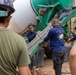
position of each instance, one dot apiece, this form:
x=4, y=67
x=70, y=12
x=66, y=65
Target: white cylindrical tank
x=23, y=16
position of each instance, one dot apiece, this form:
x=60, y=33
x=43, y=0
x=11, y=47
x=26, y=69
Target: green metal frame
x=44, y=19
x=72, y=14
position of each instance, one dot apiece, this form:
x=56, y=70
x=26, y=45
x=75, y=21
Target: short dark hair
x=2, y=19
x=32, y=25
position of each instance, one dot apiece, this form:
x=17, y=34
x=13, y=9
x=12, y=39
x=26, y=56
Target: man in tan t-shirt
x=13, y=49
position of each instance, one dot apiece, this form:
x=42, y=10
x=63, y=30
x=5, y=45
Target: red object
x=42, y=11
x=46, y=44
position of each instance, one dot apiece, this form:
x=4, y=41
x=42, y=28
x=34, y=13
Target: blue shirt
x=31, y=35
x=56, y=37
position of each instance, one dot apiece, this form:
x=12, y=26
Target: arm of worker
x=48, y=36
x=24, y=71
x=24, y=60
x=73, y=59
x=38, y=32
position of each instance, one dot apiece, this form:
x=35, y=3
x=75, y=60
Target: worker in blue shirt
x=32, y=33
x=56, y=37
x=38, y=59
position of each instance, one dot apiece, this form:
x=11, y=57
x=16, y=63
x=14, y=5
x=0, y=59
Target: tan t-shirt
x=13, y=52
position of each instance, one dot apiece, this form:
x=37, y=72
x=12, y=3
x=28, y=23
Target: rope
x=40, y=37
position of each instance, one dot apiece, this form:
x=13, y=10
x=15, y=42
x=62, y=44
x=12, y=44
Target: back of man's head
x=55, y=22
x=3, y=19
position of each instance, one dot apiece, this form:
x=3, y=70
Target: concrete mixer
x=23, y=16
x=40, y=13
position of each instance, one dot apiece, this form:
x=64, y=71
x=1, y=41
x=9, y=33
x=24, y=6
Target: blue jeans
x=58, y=59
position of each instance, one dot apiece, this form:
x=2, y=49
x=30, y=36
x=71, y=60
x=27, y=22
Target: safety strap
x=3, y=13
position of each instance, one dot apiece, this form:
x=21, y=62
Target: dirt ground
x=48, y=67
